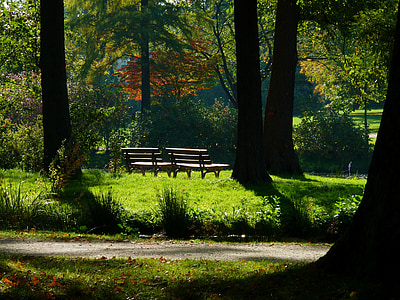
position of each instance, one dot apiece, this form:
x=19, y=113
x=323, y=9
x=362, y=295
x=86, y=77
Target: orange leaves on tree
x=171, y=72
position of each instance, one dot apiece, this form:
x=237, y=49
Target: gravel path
x=173, y=250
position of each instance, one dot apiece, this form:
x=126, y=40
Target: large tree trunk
x=56, y=119
x=249, y=162
x=145, y=88
x=278, y=121
x=370, y=245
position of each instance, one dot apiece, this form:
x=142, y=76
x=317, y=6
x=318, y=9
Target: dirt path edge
x=173, y=250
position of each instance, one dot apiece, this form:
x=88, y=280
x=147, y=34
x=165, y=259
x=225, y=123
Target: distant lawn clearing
x=373, y=116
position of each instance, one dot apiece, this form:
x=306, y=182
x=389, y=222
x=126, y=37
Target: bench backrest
x=133, y=155
x=189, y=156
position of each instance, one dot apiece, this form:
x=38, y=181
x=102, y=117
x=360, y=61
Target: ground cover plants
x=307, y=207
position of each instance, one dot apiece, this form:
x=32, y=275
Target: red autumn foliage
x=171, y=72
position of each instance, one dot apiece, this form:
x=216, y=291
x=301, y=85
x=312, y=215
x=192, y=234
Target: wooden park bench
x=185, y=159
x=146, y=158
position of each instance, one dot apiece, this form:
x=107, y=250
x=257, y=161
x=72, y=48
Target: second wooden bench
x=187, y=159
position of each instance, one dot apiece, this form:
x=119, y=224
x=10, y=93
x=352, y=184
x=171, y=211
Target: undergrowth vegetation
x=309, y=207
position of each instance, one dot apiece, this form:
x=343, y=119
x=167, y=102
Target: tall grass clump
x=174, y=213
x=21, y=211
x=107, y=215
x=95, y=213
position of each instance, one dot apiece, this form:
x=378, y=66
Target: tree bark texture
x=369, y=246
x=278, y=121
x=249, y=164
x=145, y=53
x=56, y=118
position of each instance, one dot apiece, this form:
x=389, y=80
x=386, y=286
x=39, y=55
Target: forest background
x=189, y=52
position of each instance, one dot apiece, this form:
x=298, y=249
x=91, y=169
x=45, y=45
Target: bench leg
x=176, y=170
x=216, y=172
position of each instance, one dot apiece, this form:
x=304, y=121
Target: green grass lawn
x=303, y=207
x=33, y=277
x=137, y=192
x=373, y=116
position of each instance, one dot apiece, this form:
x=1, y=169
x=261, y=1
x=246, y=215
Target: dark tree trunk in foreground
x=146, y=98
x=249, y=161
x=278, y=122
x=56, y=119
x=370, y=246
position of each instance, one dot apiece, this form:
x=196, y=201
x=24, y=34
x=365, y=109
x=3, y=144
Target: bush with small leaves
x=330, y=137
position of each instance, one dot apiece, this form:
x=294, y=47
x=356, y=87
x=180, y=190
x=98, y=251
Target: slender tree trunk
x=56, y=119
x=369, y=246
x=278, y=121
x=365, y=115
x=250, y=161
x=146, y=98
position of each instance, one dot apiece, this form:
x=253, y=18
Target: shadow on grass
x=301, y=177
x=295, y=222
x=78, y=278
x=302, y=282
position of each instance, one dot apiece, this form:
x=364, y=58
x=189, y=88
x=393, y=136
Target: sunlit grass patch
x=129, y=204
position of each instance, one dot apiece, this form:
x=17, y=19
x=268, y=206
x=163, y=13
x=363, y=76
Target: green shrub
x=21, y=98
x=174, y=214
x=267, y=218
x=21, y=145
x=329, y=138
x=20, y=123
x=96, y=112
x=29, y=141
x=141, y=222
x=343, y=214
x=9, y=155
